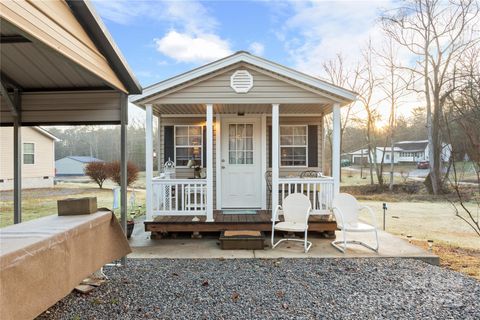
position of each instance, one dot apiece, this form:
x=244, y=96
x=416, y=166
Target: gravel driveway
x=276, y=289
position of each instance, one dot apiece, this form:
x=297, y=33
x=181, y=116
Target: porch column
x=275, y=155
x=209, y=133
x=336, y=148
x=159, y=145
x=149, y=161
x=17, y=160
x=123, y=166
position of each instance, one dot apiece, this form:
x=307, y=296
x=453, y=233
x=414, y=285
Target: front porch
x=259, y=221
x=256, y=129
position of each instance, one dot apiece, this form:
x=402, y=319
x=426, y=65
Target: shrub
x=114, y=172
x=97, y=171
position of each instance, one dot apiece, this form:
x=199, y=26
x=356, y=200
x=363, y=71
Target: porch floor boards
x=260, y=221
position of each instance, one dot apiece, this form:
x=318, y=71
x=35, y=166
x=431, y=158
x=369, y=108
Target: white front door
x=241, y=163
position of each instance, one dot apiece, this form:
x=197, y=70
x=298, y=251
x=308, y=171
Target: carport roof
x=51, y=45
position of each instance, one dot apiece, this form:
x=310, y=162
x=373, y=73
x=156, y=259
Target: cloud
x=193, y=36
x=257, y=48
x=191, y=15
x=315, y=31
x=184, y=47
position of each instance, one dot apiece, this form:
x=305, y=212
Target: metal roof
x=84, y=159
x=59, y=65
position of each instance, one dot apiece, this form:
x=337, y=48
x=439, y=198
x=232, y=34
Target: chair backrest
x=296, y=207
x=309, y=174
x=268, y=179
x=349, y=206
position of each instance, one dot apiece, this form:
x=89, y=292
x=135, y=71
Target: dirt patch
x=466, y=261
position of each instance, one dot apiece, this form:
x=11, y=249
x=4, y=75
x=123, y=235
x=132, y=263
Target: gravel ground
x=276, y=289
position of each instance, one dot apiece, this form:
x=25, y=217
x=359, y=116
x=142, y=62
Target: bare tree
x=368, y=81
x=394, y=86
x=437, y=33
x=463, y=117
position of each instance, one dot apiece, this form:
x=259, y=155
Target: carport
x=60, y=66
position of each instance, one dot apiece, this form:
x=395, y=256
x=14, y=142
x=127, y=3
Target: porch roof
x=297, y=92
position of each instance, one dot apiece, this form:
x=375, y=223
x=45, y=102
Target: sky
x=161, y=39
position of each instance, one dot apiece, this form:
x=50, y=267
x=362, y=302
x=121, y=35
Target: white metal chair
x=296, y=211
x=346, y=209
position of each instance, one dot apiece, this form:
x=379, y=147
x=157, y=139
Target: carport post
x=17, y=160
x=123, y=164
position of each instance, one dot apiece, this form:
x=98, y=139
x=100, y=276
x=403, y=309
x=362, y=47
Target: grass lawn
x=457, y=245
x=43, y=202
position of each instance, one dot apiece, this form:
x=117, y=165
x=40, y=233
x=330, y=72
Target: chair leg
x=376, y=240
x=343, y=248
x=306, y=244
x=273, y=237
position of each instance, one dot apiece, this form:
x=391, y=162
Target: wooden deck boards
x=260, y=221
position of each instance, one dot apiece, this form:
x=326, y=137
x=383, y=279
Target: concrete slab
x=390, y=246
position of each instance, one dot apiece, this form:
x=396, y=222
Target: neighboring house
x=360, y=156
x=38, y=158
x=73, y=165
x=403, y=152
x=239, y=118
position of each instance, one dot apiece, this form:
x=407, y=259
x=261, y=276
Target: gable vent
x=241, y=81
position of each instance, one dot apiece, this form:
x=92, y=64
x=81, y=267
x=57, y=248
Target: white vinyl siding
x=293, y=145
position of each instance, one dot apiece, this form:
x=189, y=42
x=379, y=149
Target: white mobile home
x=38, y=156
x=403, y=152
x=243, y=119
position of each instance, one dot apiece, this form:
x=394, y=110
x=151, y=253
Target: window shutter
x=269, y=146
x=204, y=146
x=169, y=143
x=312, y=146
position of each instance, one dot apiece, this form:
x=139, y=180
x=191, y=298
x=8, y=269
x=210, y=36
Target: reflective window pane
x=249, y=131
x=181, y=130
x=232, y=158
x=249, y=144
x=195, y=141
x=195, y=130
x=249, y=157
x=28, y=148
x=286, y=130
x=299, y=140
x=300, y=130
x=181, y=141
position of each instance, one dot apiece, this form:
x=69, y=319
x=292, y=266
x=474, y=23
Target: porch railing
x=319, y=190
x=179, y=196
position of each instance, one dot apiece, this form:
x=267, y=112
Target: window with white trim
x=28, y=153
x=188, y=145
x=293, y=146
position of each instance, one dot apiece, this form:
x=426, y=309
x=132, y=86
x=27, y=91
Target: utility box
x=77, y=206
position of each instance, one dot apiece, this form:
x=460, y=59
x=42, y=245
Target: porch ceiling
x=200, y=109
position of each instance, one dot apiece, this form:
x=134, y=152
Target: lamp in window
x=192, y=164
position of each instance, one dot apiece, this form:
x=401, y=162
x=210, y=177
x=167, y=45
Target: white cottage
x=254, y=126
